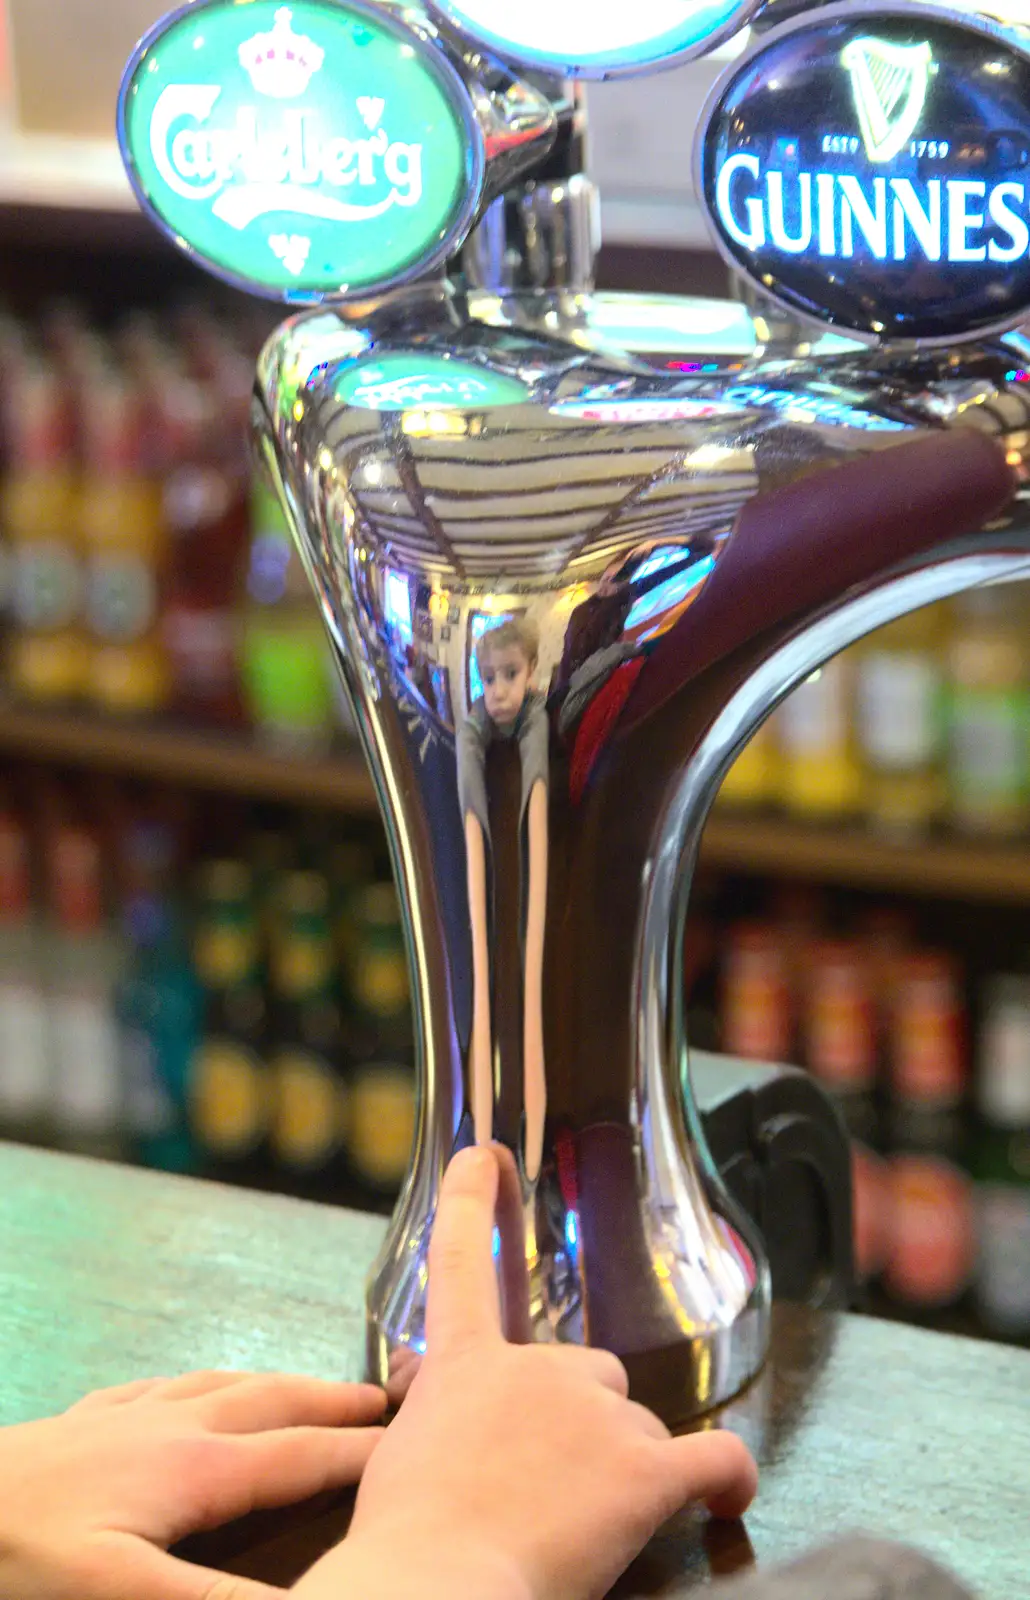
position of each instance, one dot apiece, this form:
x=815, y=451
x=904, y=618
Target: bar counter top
x=109, y=1274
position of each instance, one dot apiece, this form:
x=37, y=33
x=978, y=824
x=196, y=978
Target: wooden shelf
x=226, y=763
x=943, y=868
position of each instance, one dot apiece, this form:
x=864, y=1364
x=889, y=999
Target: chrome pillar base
x=679, y=528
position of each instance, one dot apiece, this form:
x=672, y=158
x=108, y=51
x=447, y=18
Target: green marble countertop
x=108, y=1274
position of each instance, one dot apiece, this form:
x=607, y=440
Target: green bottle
x=382, y=1102
x=308, y=1059
x=230, y=1097
x=160, y=1011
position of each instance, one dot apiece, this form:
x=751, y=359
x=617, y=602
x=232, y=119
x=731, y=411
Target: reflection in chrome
x=567, y=578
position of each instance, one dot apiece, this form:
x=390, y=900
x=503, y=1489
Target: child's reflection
x=509, y=708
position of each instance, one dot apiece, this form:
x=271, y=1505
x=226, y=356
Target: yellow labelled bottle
x=47, y=653
x=230, y=1098
x=381, y=1110
x=307, y=1060
x=351, y=871
x=754, y=778
x=989, y=714
x=822, y=776
x=270, y=856
x=124, y=554
x=900, y=721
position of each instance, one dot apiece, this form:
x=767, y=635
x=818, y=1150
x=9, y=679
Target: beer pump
x=572, y=548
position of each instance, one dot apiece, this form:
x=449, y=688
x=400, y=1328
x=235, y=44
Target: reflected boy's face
x=505, y=674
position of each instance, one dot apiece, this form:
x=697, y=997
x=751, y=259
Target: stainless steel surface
x=678, y=523
x=546, y=235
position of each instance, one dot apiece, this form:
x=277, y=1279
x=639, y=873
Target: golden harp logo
x=889, y=84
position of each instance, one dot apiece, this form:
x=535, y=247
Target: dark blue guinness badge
x=869, y=166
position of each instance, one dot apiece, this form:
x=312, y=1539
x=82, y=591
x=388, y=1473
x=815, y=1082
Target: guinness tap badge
x=867, y=166
x=889, y=83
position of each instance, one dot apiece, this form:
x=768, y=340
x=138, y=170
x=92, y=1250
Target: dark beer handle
x=798, y=548
x=810, y=1156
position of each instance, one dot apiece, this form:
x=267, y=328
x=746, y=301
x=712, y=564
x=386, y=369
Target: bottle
x=1001, y=1163
x=123, y=543
x=205, y=510
x=13, y=356
x=230, y=1099
x=840, y=1033
x=757, y=1005
x=285, y=664
x=821, y=775
x=25, y=1083
x=270, y=855
x=988, y=715
x=86, y=963
x=351, y=866
x=887, y=936
x=886, y=933
x=841, y=1051
x=901, y=721
x=930, y=1252
x=47, y=651
x=929, y=1067
x=799, y=914
x=160, y=1011
x=381, y=1102
x=308, y=1059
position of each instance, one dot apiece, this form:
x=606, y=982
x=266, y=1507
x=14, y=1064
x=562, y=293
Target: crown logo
x=281, y=63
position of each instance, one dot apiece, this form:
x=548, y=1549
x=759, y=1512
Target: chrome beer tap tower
x=573, y=548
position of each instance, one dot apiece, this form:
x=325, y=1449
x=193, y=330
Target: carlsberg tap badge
x=327, y=151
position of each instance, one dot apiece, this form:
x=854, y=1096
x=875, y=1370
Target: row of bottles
x=255, y=1027
x=930, y=1067
x=147, y=569
x=304, y=1076
x=926, y=721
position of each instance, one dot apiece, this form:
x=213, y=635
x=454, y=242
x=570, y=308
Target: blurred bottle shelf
x=220, y=761
x=942, y=866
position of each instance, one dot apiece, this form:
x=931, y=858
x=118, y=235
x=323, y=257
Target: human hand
x=91, y=1501
x=514, y=1472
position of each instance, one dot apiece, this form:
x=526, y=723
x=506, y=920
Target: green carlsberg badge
x=401, y=381
x=303, y=150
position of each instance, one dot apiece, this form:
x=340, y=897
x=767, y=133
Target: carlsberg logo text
x=888, y=218
x=261, y=164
